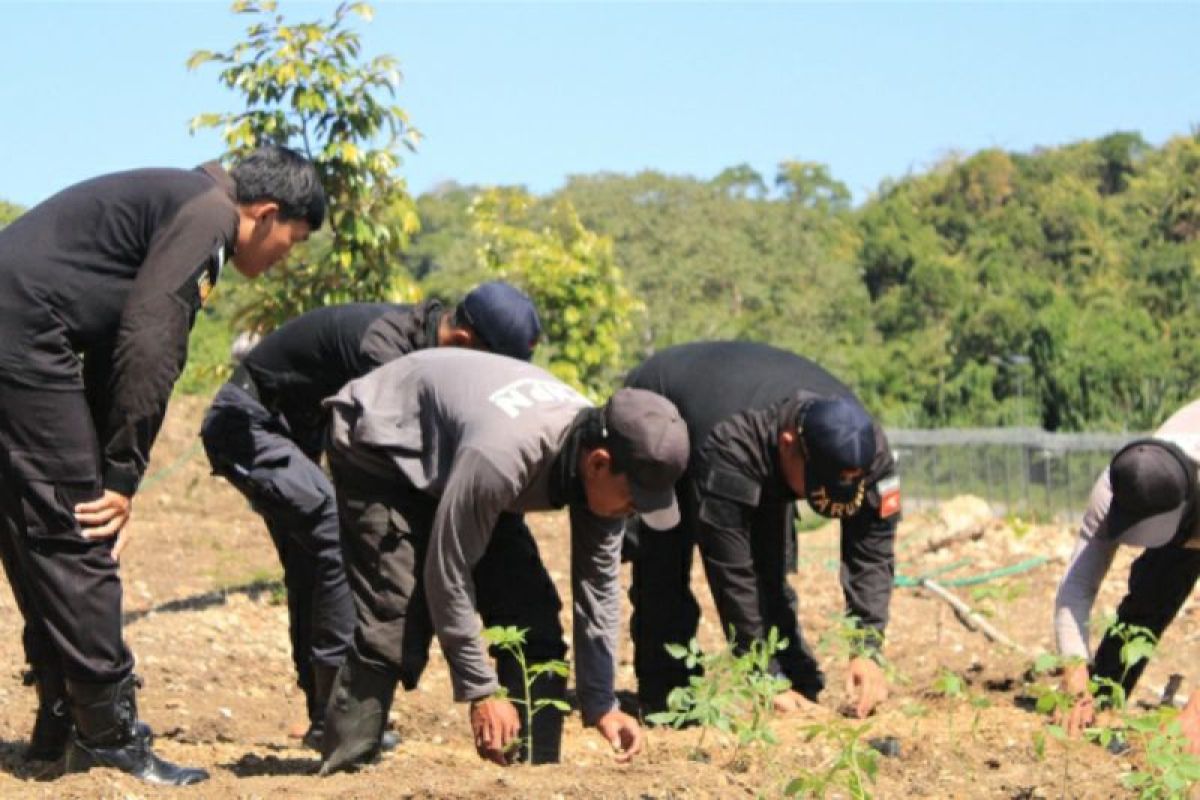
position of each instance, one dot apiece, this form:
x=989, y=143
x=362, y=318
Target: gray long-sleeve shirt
x=1094, y=553
x=482, y=433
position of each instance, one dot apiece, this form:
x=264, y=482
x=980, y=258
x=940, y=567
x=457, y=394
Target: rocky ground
x=205, y=619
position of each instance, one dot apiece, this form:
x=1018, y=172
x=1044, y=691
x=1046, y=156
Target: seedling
x=1171, y=769
x=848, y=638
x=733, y=694
x=990, y=598
x=511, y=639
x=854, y=765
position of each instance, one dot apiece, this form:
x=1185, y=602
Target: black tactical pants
x=253, y=450
x=747, y=574
x=385, y=533
x=1160, y=580
x=67, y=588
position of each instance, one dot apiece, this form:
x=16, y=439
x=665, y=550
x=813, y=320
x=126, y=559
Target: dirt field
x=220, y=693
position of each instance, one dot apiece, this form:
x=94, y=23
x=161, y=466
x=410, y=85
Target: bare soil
x=205, y=618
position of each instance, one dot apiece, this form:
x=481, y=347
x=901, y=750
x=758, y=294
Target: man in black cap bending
x=266, y=430
x=1146, y=498
x=429, y=454
x=766, y=427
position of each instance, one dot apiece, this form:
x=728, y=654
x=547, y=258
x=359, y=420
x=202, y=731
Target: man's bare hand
x=866, y=684
x=623, y=733
x=1081, y=716
x=496, y=725
x=789, y=701
x=104, y=518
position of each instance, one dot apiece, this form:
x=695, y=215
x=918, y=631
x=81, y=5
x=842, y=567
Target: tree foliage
x=9, y=212
x=307, y=86
x=1057, y=287
x=570, y=274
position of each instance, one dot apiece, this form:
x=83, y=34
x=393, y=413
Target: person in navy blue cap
x=501, y=318
x=767, y=427
x=265, y=433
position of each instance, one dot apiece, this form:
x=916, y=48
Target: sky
x=528, y=94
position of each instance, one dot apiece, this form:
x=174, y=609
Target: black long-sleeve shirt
x=735, y=398
x=99, y=287
x=313, y=356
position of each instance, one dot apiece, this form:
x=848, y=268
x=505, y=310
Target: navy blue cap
x=504, y=319
x=838, y=436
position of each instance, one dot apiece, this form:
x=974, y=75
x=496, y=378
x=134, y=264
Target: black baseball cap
x=838, y=435
x=503, y=317
x=1153, y=482
x=648, y=441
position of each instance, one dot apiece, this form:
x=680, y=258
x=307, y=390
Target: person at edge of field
x=430, y=454
x=99, y=288
x=265, y=432
x=1145, y=498
x=766, y=427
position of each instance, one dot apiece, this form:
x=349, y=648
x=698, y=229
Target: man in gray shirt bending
x=1147, y=498
x=432, y=456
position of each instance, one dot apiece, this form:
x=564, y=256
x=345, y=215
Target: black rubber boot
x=108, y=734
x=323, y=676
x=52, y=726
x=355, y=716
x=547, y=728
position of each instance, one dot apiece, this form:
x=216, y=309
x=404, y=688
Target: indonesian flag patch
x=889, y=497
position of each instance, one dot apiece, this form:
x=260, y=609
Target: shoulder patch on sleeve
x=197, y=288
x=889, y=497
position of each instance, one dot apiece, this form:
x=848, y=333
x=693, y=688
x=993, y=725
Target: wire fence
x=1027, y=472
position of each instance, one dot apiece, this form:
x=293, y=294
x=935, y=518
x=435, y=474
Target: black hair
x=285, y=177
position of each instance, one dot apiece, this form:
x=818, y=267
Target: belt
x=241, y=378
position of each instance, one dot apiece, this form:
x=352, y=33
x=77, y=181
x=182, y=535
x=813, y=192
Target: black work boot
x=355, y=716
x=108, y=734
x=52, y=726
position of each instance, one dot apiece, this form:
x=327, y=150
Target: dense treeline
x=1055, y=288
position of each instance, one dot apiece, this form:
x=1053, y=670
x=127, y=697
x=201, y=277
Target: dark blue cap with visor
x=503, y=317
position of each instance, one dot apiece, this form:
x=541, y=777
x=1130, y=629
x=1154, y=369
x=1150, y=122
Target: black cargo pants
x=747, y=574
x=252, y=449
x=67, y=588
x=385, y=534
x=1160, y=580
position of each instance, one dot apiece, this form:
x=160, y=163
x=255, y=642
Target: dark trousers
x=253, y=450
x=67, y=588
x=385, y=532
x=1160, y=580
x=747, y=574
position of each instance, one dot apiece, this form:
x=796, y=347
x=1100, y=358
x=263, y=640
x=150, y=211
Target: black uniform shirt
x=735, y=398
x=313, y=356
x=113, y=270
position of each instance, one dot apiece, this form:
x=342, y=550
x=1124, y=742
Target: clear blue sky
x=530, y=93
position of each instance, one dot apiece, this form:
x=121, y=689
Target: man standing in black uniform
x=766, y=427
x=99, y=287
x=266, y=430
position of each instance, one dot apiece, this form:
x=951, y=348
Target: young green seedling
x=733, y=694
x=854, y=765
x=511, y=639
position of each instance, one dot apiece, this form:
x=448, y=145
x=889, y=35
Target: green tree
x=307, y=86
x=811, y=185
x=570, y=274
x=9, y=212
